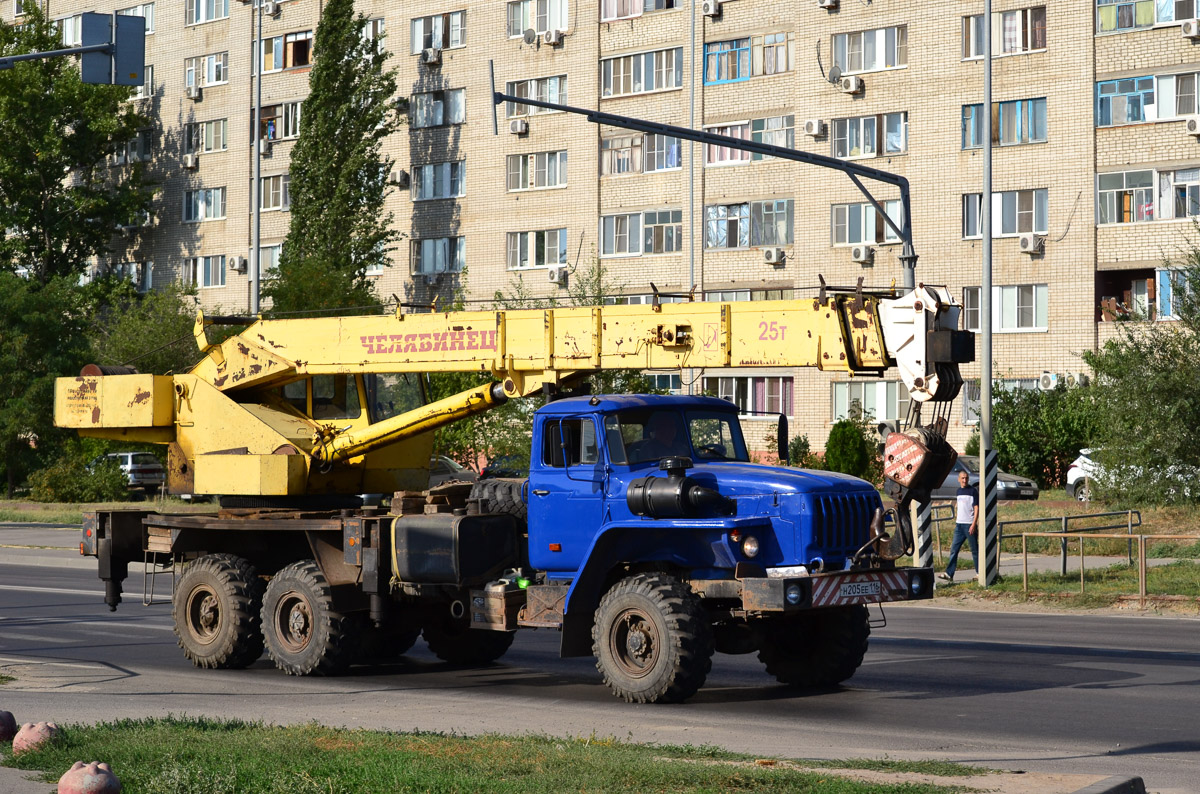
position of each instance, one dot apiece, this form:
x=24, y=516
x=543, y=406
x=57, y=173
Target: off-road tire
x=216, y=608
x=652, y=640
x=817, y=650
x=502, y=497
x=454, y=641
x=304, y=634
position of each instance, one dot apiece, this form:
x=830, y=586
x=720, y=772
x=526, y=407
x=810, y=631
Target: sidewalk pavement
x=17, y=781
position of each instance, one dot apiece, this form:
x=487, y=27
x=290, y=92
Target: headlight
x=793, y=594
x=916, y=586
x=750, y=546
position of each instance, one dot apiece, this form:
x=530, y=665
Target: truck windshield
x=650, y=434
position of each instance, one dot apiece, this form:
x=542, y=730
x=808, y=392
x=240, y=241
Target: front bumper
x=843, y=588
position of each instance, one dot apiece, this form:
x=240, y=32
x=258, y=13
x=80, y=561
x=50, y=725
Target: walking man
x=966, y=520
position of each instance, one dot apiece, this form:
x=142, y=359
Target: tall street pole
x=256, y=230
x=988, y=564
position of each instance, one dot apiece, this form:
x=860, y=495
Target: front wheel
x=304, y=633
x=1083, y=490
x=652, y=639
x=819, y=649
x=454, y=641
x=216, y=612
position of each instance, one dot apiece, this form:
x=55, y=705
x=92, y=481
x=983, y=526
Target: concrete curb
x=19, y=781
x=47, y=558
x=1117, y=784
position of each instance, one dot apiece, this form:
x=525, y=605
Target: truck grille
x=841, y=522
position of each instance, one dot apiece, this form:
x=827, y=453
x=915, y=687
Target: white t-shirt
x=967, y=499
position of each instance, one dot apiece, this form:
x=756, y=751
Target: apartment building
x=1096, y=159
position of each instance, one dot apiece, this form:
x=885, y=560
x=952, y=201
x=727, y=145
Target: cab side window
x=570, y=442
x=335, y=397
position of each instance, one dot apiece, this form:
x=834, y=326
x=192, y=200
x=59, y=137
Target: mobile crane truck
x=644, y=533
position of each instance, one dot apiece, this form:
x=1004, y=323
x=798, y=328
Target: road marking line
x=62, y=590
x=53, y=664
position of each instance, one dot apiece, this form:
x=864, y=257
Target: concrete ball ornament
x=90, y=778
x=32, y=736
x=8, y=726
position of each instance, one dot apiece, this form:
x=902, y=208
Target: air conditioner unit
x=1076, y=379
x=431, y=56
x=400, y=179
x=1048, y=381
x=194, y=93
x=518, y=127
x=1031, y=243
x=814, y=127
x=191, y=161
x=863, y=254
x=428, y=279
x=851, y=84
x=1190, y=28
x=264, y=145
x=237, y=264
x=553, y=37
x=712, y=8
x=774, y=256
x=828, y=4
x=1191, y=125
x=270, y=8
x=557, y=275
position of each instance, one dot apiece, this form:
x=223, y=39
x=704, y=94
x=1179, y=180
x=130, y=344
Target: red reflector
x=555, y=547
x=735, y=535
x=88, y=533
x=81, y=551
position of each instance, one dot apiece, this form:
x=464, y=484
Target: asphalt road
x=1078, y=694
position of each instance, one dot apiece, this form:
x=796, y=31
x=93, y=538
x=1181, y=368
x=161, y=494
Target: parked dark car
x=505, y=466
x=442, y=469
x=1008, y=486
x=142, y=469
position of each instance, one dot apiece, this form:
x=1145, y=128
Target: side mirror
x=781, y=441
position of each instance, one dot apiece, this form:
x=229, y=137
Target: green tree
x=1148, y=403
x=1038, y=433
x=339, y=173
x=848, y=449
x=61, y=202
x=151, y=331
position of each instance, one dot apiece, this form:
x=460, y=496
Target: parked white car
x=1080, y=474
x=1084, y=472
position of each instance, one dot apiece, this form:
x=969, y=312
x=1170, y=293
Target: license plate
x=1027, y=492
x=860, y=589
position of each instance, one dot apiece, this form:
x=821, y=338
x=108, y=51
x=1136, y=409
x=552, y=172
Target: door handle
x=541, y=493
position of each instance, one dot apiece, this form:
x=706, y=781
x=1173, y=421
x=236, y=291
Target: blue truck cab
x=647, y=519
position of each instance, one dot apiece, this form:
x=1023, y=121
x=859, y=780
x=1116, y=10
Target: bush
x=1037, y=434
x=69, y=480
x=801, y=454
x=848, y=450
x=972, y=447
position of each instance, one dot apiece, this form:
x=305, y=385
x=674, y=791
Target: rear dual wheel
x=304, y=633
x=216, y=608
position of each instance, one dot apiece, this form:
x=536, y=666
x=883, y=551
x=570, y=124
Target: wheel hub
x=203, y=615
x=634, y=643
x=294, y=621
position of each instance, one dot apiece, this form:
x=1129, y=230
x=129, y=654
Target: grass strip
x=202, y=756
x=56, y=516
x=6, y=679
x=1102, y=587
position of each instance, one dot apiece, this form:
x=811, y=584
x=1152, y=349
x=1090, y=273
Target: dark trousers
x=962, y=533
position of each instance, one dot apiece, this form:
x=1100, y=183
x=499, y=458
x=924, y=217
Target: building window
x=1022, y=307
x=145, y=11
x=204, y=137
x=140, y=274
x=206, y=204
x=773, y=131
x=727, y=226
x=439, y=108
x=146, y=89
x=620, y=235
x=862, y=136
x=771, y=54
x=664, y=383
x=624, y=154
x=1120, y=15
x=1013, y=212
x=754, y=396
x=198, y=11
x=1176, y=96
x=70, y=29
x=546, y=89
x=662, y=153
x=268, y=258
x=206, y=69
x=641, y=73
x=1172, y=287
x=286, y=52
x=537, y=170
x=731, y=295
x=441, y=32
x=719, y=155
x=882, y=400
x=205, y=271
x=625, y=9
x=1013, y=123
x=279, y=121
x=275, y=192
x=373, y=32
x=438, y=255
x=970, y=309
x=18, y=8
x=1013, y=32
x=1128, y=101
x=438, y=181
x=642, y=300
x=771, y=222
x=1185, y=184
x=539, y=15
x=871, y=50
x=726, y=61
x=854, y=224
x=136, y=150
x=1125, y=197
x=537, y=249
x=662, y=232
